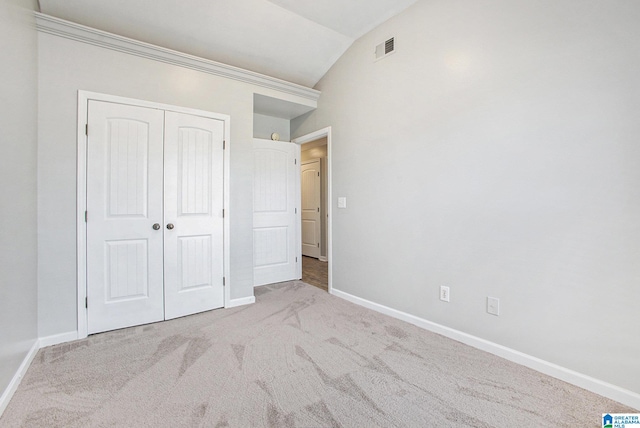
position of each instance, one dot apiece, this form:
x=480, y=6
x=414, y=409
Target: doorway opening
x=315, y=213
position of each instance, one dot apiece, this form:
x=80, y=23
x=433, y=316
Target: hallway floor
x=315, y=272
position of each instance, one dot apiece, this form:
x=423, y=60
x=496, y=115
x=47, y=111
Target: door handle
x=170, y=226
x=156, y=226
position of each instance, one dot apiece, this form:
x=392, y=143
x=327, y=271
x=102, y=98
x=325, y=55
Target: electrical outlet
x=444, y=293
x=493, y=305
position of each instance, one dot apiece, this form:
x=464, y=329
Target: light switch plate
x=342, y=202
x=493, y=305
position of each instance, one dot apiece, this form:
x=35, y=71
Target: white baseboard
x=58, y=338
x=589, y=383
x=241, y=302
x=17, y=378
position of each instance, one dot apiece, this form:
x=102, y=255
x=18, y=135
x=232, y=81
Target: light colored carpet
x=298, y=357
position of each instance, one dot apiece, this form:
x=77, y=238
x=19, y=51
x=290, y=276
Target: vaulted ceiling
x=294, y=40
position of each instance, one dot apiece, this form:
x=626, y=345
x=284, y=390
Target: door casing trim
x=81, y=191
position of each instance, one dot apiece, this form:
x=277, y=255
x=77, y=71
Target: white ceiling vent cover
x=385, y=49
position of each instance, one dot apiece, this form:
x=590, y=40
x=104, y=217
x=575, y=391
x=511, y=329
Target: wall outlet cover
x=445, y=293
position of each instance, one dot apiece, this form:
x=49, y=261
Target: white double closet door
x=154, y=215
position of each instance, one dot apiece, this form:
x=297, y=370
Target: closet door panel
x=124, y=201
x=193, y=214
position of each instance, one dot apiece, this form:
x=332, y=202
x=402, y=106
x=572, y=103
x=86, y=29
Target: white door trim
x=321, y=133
x=81, y=191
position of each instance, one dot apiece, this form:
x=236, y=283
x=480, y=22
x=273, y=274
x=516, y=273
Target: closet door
x=124, y=215
x=193, y=226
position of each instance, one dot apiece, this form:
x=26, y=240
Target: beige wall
x=264, y=126
x=18, y=226
x=503, y=137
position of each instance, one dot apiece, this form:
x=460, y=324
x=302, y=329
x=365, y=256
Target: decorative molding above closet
x=60, y=27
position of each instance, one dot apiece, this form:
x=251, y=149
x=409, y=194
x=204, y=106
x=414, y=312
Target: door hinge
x=318, y=173
x=295, y=161
x=318, y=245
x=85, y=216
x=224, y=281
x=224, y=144
x=223, y=213
x=295, y=211
x=296, y=260
x=86, y=129
x=86, y=302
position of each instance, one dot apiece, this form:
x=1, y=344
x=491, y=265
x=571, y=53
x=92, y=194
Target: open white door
x=275, y=202
x=124, y=203
x=310, y=185
x=193, y=215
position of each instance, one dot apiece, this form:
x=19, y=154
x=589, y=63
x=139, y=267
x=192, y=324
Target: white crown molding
x=69, y=30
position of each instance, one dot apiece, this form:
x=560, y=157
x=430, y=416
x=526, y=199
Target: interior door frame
x=81, y=191
x=321, y=133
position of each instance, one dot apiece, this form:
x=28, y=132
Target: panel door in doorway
x=154, y=215
x=310, y=185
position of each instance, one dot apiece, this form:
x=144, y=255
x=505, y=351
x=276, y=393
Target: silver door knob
x=156, y=226
x=170, y=226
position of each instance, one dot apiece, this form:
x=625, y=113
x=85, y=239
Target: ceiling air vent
x=384, y=49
